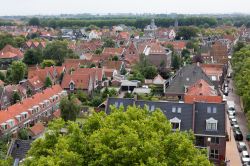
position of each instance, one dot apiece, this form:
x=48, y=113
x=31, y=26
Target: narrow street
x=241, y=119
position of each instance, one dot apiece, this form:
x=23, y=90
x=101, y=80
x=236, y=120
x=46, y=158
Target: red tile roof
x=178, y=45
x=203, y=92
x=113, y=51
x=57, y=113
x=37, y=129
x=10, y=52
x=36, y=82
x=112, y=65
x=18, y=108
x=80, y=80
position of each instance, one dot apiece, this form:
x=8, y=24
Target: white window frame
x=211, y=124
x=175, y=120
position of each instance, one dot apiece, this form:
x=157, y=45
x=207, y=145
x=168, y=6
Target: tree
x=197, y=58
x=58, y=51
x=185, y=53
x=123, y=70
x=115, y=58
x=128, y=95
x=176, y=62
x=34, y=21
x=48, y=63
x=2, y=76
x=16, y=72
x=238, y=46
x=15, y=97
x=19, y=41
x=108, y=43
x=33, y=57
x=6, y=39
x=186, y=32
x=23, y=134
x=83, y=97
x=48, y=82
x=98, y=51
x=96, y=101
x=132, y=137
x=69, y=108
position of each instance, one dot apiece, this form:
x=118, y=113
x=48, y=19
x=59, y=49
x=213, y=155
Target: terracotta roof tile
x=37, y=129
x=18, y=108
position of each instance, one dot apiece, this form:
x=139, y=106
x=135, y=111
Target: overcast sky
x=31, y=7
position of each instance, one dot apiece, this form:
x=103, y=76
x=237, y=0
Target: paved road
x=240, y=116
x=232, y=153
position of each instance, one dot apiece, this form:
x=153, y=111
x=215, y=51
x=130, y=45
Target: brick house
x=201, y=91
x=206, y=120
x=31, y=110
x=218, y=53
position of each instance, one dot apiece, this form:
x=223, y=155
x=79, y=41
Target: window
x=213, y=78
x=71, y=86
x=214, y=153
x=215, y=140
x=211, y=124
x=179, y=110
x=209, y=110
x=175, y=126
x=4, y=126
x=116, y=104
x=173, y=109
x=152, y=108
x=214, y=110
x=176, y=123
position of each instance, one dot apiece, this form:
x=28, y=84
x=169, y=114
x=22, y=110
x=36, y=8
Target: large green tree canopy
x=57, y=51
x=134, y=137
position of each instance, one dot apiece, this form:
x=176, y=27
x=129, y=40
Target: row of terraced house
x=26, y=113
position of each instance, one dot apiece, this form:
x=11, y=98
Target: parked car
x=233, y=122
x=226, y=91
x=238, y=135
x=231, y=113
x=229, y=75
x=246, y=164
x=225, y=85
x=231, y=117
x=245, y=154
x=241, y=146
x=236, y=127
x=245, y=160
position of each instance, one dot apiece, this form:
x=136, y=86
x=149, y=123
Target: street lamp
x=208, y=146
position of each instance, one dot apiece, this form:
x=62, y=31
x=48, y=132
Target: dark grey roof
x=20, y=149
x=189, y=113
x=201, y=115
x=187, y=76
x=118, y=102
x=186, y=115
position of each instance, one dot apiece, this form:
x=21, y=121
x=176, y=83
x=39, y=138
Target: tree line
x=135, y=22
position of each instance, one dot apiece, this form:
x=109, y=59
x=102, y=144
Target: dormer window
x=24, y=114
x=211, y=124
x=4, y=126
x=19, y=118
x=10, y=123
x=176, y=123
x=71, y=86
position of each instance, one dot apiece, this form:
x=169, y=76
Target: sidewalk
x=232, y=153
